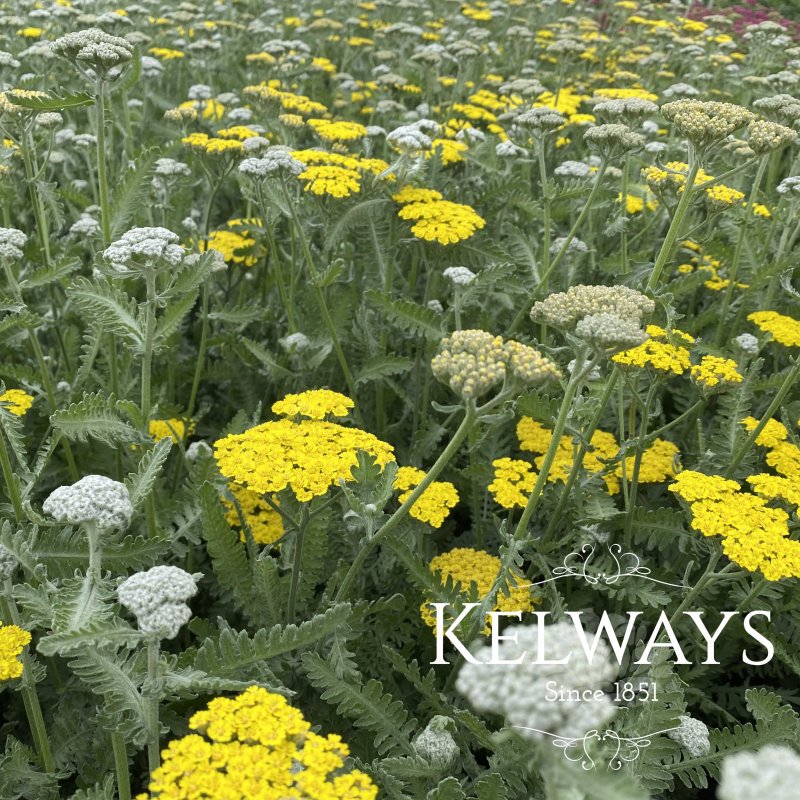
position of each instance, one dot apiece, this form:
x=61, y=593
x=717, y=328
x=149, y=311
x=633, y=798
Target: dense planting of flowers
x=348, y=346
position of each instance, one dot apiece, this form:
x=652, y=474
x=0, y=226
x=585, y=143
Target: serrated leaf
x=53, y=101
x=104, y=304
x=381, y=366
x=408, y=316
x=448, y=789
x=96, y=417
x=113, y=633
x=141, y=482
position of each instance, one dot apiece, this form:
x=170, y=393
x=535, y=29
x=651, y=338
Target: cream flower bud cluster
x=11, y=243
x=613, y=139
x=626, y=108
x=608, y=330
x=767, y=136
x=706, y=121
x=692, y=735
x=565, y=309
x=543, y=119
x=459, y=276
x=144, y=247
x=157, y=598
x=473, y=361
x=94, y=47
x=93, y=500
x=519, y=692
x=773, y=772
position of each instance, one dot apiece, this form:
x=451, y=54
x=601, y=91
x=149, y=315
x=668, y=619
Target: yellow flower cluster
x=659, y=352
x=165, y=53
x=314, y=404
x=782, y=455
x=755, y=536
x=785, y=330
x=465, y=566
x=434, y=504
x=175, y=429
x=658, y=461
x=264, y=522
x=714, y=372
x=331, y=181
x=235, y=247
x=416, y=194
x=307, y=456
x=337, y=130
x=16, y=401
x=513, y=482
x=450, y=151
x=256, y=745
x=442, y=221
x=12, y=642
x=288, y=100
x=240, y=132
x=710, y=264
x=202, y=142
x=720, y=196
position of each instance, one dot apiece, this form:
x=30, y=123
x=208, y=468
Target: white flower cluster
x=85, y=225
x=275, y=160
x=11, y=242
x=409, y=139
x=790, y=185
x=773, y=772
x=436, y=744
x=573, y=169
x=626, y=108
x=168, y=167
x=144, y=247
x=613, y=139
x=8, y=563
x=94, y=499
x=519, y=691
x=747, y=343
x=459, y=276
x=543, y=118
x=692, y=736
x=508, y=149
x=576, y=245
x=94, y=47
x=157, y=598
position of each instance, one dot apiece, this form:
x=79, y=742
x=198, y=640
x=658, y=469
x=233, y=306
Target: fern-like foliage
x=98, y=417
x=408, y=315
x=366, y=704
x=107, y=305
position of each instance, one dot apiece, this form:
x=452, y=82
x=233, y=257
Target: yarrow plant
x=399, y=400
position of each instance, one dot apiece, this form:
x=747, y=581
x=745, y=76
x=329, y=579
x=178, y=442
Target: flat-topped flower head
x=692, y=736
x=471, y=362
x=308, y=456
x=144, y=249
x=314, y=404
x=613, y=139
x=94, y=48
x=765, y=136
x=276, y=160
x=12, y=642
x=565, y=309
x=714, y=373
x=773, y=772
x=542, y=119
x=704, y=122
x=11, y=243
x=16, y=401
x=627, y=109
x=434, y=504
x=157, y=598
x=784, y=330
x=442, y=221
x=93, y=500
x=610, y=332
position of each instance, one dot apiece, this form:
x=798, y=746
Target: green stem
x=755, y=590
x=121, y=765
x=574, y=382
x=30, y=698
x=546, y=209
x=151, y=707
x=637, y=461
x=102, y=174
x=582, y=451
x=542, y=287
x=297, y=563
x=149, y=336
x=677, y=222
x=742, y=450
x=470, y=417
x=275, y=258
x=12, y=489
x=95, y=551
x=737, y=255
x=201, y=352
x=323, y=306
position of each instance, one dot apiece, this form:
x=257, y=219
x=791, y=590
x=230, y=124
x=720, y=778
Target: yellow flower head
x=256, y=745
x=465, y=566
x=785, y=330
x=434, y=504
x=331, y=181
x=175, y=429
x=714, y=372
x=336, y=130
x=308, y=456
x=442, y=221
x=16, y=401
x=12, y=642
x=314, y=404
x=202, y=142
x=265, y=522
x=513, y=482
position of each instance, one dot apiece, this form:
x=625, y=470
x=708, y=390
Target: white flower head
x=85, y=225
x=747, y=343
x=143, y=249
x=692, y=736
x=436, y=744
x=157, y=598
x=8, y=563
x=508, y=149
x=94, y=47
x=295, y=342
x=93, y=500
x=11, y=243
x=167, y=167
x=198, y=449
x=773, y=772
x=409, y=139
x=573, y=169
x=275, y=160
x=459, y=276
x=519, y=691
x=790, y=186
